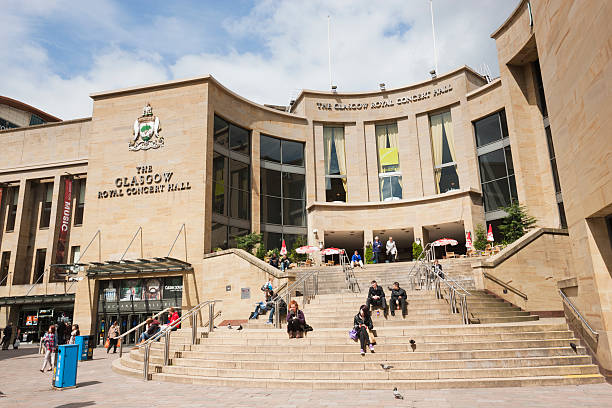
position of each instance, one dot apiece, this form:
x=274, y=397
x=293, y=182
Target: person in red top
x=50, y=343
x=173, y=316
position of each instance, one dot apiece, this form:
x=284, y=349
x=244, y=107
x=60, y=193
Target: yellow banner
x=389, y=156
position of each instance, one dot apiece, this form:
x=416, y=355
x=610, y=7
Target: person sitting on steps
x=398, y=298
x=296, y=321
x=356, y=260
x=261, y=307
x=362, y=324
x=376, y=297
x=437, y=269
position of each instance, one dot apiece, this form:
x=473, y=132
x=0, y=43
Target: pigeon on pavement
x=239, y=327
x=386, y=366
x=573, y=346
x=396, y=394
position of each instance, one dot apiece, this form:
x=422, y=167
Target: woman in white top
x=391, y=250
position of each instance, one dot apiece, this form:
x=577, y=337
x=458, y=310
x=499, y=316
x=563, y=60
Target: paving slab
x=22, y=385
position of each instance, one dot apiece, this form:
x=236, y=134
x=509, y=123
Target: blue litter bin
x=65, y=372
x=85, y=347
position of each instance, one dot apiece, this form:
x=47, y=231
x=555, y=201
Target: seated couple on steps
x=376, y=298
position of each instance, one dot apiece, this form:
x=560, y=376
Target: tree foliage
x=417, y=250
x=369, y=254
x=480, y=238
x=516, y=223
x=249, y=241
x=293, y=255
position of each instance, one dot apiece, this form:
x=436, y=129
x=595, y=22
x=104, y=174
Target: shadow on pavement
x=76, y=404
x=86, y=383
x=6, y=354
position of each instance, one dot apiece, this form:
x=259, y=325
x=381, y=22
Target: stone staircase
x=447, y=354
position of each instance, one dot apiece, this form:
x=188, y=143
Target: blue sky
x=61, y=51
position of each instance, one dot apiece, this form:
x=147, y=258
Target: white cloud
x=286, y=42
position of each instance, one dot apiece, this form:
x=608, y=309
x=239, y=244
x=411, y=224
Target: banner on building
x=60, y=254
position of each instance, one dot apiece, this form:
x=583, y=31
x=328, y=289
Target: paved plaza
x=22, y=385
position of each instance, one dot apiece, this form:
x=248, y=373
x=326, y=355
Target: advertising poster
x=32, y=320
x=153, y=289
x=131, y=290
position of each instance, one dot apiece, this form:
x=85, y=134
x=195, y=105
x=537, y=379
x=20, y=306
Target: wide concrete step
x=484, y=319
x=402, y=385
x=394, y=356
x=299, y=347
x=427, y=338
x=375, y=366
x=380, y=374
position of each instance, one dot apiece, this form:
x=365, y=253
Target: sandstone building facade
x=162, y=174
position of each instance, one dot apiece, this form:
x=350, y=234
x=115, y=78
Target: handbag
x=107, y=343
x=308, y=328
x=353, y=334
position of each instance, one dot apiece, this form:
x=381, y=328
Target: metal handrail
x=570, y=304
x=135, y=328
x=165, y=332
x=505, y=285
x=465, y=291
x=349, y=273
x=456, y=306
x=312, y=278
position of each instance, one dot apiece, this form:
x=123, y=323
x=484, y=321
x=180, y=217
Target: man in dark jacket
x=376, y=297
x=398, y=297
x=376, y=249
x=8, y=333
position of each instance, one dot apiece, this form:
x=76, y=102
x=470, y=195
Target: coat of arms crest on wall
x=146, y=131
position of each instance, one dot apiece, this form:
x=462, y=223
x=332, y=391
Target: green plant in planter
x=480, y=238
x=249, y=241
x=294, y=256
x=516, y=223
x=417, y=250
x=369, y=254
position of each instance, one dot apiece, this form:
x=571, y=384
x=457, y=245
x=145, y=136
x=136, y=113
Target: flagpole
x=433, y=32
x=329, y=49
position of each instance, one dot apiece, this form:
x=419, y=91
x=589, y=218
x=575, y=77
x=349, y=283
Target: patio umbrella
x=283, y=250
x=307, y=249
x=490, y=234
x=468, y=240
x=331, y=251
x=444, y=242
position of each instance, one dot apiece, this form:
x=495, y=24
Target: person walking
x=398, y=298
x=362, y=324
x=296, y=322
x=113, y=337
x=7, y=333
x=75, y=332
x=50, y=343
x=376, y=249
x=391, y=250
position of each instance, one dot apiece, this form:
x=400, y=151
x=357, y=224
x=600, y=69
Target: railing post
x=145, y=368
x=211, y=317
x=166, y=347
x=194, y=328
x=121, y=347
x=277, y=323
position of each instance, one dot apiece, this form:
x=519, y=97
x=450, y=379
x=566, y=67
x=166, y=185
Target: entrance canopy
x=125, y=266
x=37, y=299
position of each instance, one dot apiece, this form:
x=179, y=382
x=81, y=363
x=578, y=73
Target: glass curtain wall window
x=389, y=174
x=4, y=267
x=335, y=164
x=13, y=198
x=231, y=183
x=80, y=203
x=39, y=268
x=443, y=149
x=283, y=191
x=45, y=213
x=495, y=162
